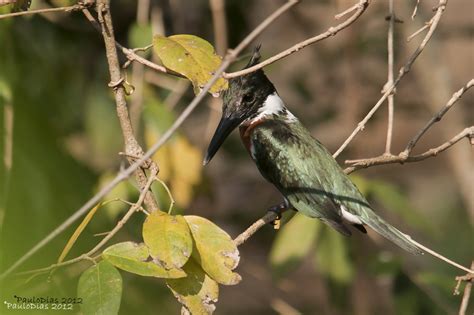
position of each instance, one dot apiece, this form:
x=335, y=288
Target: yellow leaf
x=216, y=251
x=192, y=57
x=197, y=291
x=168, y=238
x=135, y=258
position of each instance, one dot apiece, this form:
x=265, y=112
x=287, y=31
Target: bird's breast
x=246, y=132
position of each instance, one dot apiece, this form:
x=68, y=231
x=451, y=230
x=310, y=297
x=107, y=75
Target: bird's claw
x=278, y=210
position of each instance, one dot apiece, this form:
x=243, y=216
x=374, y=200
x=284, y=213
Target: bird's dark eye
x=248, y=98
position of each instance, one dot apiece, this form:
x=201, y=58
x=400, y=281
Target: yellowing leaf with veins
x=168, y=238
x=216, y=252
x=191, y=56
x=197, y=291
x=135, y=258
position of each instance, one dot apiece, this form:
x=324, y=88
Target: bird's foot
x=278, y=210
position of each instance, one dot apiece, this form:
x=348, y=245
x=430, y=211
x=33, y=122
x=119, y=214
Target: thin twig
x=251, y=230
x=404, y=156
x=73, y=218
x=170, y=195
x=409, y=38
x=361, y=7
x=271, y=216
x=401, y=158
x=441, y=257
x=130, y=53
x=467, y=290
x=108, y=236
x=436, y=118
x=127, y=216
x=71, y=8
x=391, y=97
x=35, y=272
x=231, y=56
x=403, y=70
x=345, y=12
x=415, y=10
x=131, y=144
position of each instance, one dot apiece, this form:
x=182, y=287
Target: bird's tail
x=392, y=234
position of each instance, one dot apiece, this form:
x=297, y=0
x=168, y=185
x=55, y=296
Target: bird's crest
x=255, y=59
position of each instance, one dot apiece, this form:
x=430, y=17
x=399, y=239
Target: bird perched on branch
x=302, y=169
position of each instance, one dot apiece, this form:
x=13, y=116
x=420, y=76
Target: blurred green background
x=58, y=117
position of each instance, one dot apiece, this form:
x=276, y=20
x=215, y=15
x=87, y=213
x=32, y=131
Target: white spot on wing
x=352, y=218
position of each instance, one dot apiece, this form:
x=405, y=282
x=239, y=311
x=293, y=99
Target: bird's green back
x=304, y=171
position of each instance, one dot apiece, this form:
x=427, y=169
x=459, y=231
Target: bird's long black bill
x=225, y=127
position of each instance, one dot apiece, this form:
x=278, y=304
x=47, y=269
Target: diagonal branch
x=391, y=97
x=133, y=209
x=456, y=96
x=405, y=156
x=467, y=290
x=231, y=56
x=251, y=230
x=403, y=70
x=132, y=148
x=401, y=158
x=361, y=7
x=75, y=7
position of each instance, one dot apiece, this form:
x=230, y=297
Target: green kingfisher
x=301, y=168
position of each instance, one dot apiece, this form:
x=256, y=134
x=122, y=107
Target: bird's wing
x=312, y=181
x=289, y=158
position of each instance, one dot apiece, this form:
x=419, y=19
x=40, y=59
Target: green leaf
x=168, y=238
x=332, y=256
x=135, y=258
x=100, y=287
x=197, y=291
x=215, y=250
x=191, y=56
x=293, y=243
